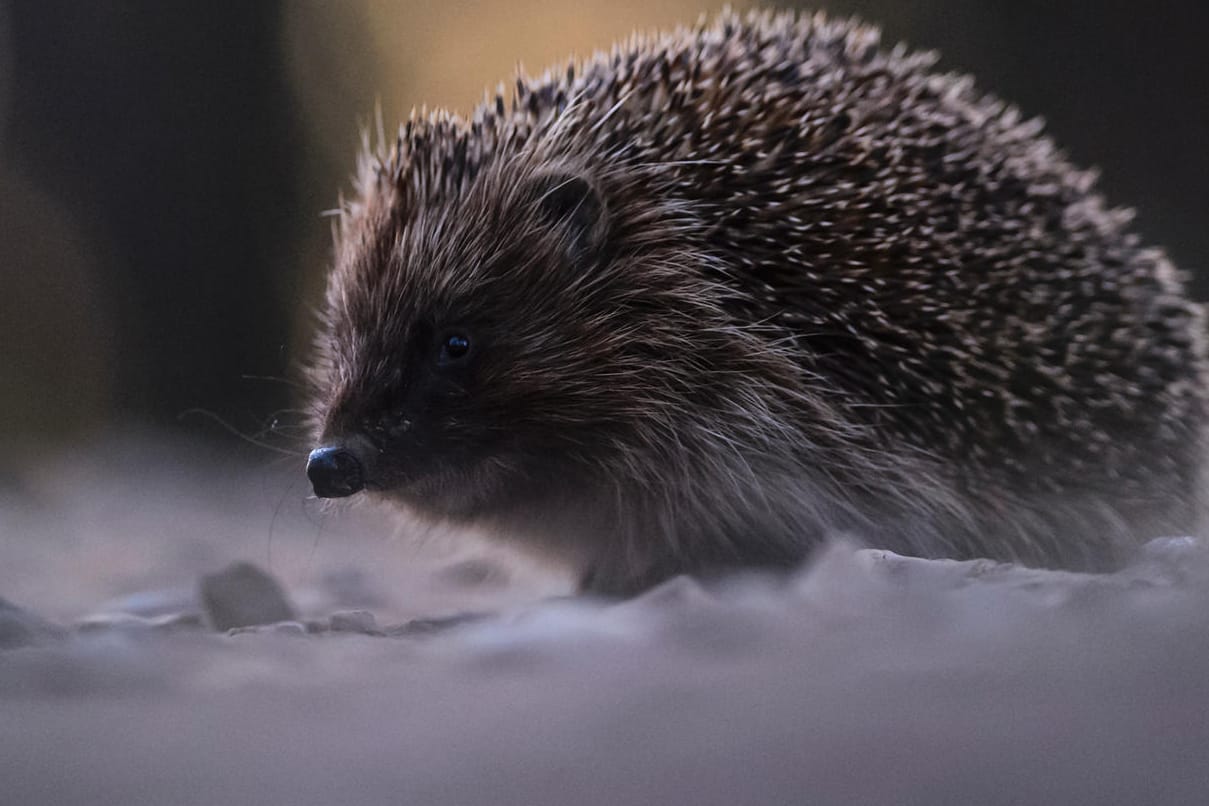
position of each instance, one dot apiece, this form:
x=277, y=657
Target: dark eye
x=455, y=346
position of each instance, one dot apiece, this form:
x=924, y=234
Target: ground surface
x=866, y=678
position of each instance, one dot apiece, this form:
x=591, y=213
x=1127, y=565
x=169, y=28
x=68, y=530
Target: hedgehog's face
x=480, y=355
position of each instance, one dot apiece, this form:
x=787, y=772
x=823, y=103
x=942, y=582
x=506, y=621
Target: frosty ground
x=863, y=678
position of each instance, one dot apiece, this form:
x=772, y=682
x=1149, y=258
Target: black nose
x=334, y=472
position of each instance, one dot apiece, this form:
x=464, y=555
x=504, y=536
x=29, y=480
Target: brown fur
x=739, y=287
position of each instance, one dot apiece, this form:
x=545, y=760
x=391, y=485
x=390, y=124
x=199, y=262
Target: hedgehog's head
x=501, y=337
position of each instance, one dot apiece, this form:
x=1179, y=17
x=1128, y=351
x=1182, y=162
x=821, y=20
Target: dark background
x=163, y=166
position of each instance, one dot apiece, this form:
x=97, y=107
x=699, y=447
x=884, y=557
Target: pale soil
x=866, y=678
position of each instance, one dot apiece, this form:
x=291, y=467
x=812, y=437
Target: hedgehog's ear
x=570, y=202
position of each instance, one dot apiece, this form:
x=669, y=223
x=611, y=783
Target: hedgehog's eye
x=455, y=346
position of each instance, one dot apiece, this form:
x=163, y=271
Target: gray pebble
x=278, y=628
x=113, y=622
x=129, y=622
x=173, y=622
x=155, y=603
x=361, y=621
x=242, y=595
x=432, y=626
x=288, y=628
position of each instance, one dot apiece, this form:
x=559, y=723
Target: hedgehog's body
x=713, y=297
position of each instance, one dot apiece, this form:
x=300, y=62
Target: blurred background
x=164, y=166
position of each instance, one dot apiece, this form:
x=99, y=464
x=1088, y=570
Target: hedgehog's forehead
x=438, y=215
x=428, y=252
x=437, y=211
x=442, y=156
x=441, y=243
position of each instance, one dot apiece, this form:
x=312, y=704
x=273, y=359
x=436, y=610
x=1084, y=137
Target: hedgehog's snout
x=335, y=472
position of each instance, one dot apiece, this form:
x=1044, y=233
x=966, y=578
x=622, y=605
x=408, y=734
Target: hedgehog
x=705, y=301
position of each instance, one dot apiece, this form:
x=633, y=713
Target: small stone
x=1175, y=549
x=288, y=628
x=431, y=626
x=20, y=627
x=679, y=591
x=154, y=603
x=277, y=628
x=242, y=595
x=113, y=622
x=361, y=621
x=175, y=622
x=106, y=621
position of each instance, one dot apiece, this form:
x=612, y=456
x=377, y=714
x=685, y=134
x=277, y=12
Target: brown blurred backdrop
x=163, y=165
